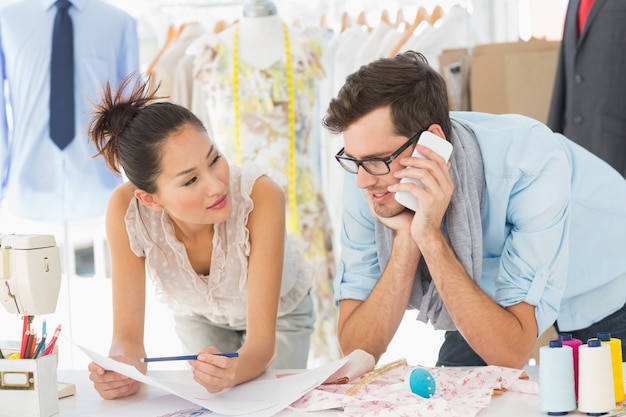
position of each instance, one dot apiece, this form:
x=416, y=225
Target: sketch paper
x=259, y=397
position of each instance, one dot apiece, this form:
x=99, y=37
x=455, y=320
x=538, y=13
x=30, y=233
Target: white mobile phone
x=442, y=147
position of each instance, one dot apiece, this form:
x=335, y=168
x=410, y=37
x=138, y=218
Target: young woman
x=211, y=237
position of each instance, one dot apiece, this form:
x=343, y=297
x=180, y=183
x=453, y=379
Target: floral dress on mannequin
x=267, y=116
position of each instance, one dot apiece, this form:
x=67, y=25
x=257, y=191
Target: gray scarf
x=463, y=226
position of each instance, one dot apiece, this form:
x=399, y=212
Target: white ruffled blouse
x=220, y=296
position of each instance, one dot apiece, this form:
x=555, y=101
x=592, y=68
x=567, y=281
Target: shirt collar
x=78, y=4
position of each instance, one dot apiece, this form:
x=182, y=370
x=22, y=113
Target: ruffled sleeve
x=132, y=221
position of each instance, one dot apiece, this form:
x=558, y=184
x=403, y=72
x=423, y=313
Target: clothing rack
x=216, y=3
x=201, y=4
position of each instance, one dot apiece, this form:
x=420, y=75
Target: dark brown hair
x=414, y=91
x=129, y=130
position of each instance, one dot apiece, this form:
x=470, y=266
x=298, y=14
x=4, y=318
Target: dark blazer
x=589, y=98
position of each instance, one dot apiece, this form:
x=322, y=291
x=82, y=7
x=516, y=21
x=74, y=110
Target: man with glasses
x=521, y=229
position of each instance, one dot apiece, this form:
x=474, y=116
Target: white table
x=87, y=402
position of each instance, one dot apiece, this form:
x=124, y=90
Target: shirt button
x=578, y=79
x=578, y=119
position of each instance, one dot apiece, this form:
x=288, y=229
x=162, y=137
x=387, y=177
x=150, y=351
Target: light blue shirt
x=39, y=181
x=554, y=226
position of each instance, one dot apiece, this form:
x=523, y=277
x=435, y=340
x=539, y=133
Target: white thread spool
x=595, y=378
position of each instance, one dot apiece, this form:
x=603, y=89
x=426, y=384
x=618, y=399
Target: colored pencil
x=186, y=357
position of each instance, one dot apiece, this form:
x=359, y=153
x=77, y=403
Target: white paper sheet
x=259, y=397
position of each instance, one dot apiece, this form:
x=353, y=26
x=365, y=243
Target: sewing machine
x=30, y=274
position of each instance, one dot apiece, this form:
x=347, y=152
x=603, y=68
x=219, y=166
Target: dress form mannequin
x=261, y=97
x=259, y=8
x=261, y=34
x=261, y=40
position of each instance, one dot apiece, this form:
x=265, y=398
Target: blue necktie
x=62, y=78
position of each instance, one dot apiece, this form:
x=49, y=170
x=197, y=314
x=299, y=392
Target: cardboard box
x=514, y=77
x=28, y=387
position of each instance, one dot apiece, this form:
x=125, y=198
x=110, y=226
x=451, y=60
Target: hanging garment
x=40, y=181
x=266, y=137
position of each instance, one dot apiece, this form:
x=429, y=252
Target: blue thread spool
x=556, y=379
x=420, y=382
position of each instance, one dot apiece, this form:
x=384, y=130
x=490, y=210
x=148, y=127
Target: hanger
x=187, y=27
x=400, y=20
x=172, y=34
x=361, y=20
x=323, y=24
x=436, y=14
x=384, y=17
x=180, y=30
x=345, y=22
x=220, y=25
x=420, y=16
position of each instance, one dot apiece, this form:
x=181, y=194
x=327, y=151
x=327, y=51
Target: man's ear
x=437, y=130
x=148, y=200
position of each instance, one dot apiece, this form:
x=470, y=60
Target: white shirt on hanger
x=453, y=30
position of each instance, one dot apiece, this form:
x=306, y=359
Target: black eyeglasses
x=373, y=166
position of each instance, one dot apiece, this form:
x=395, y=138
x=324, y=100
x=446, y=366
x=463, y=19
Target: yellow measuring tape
x=372, y=375
x=291, y=111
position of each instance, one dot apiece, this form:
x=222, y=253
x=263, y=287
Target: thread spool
x=556, y=379
x=568, y=340
x=596, y=395
x=616, y=363
x=421, y=382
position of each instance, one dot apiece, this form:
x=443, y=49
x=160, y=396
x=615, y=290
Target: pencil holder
x=29, y=387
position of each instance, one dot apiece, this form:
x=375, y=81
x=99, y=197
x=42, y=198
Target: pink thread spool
x=568, y=340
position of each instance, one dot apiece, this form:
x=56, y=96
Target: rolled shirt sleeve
x=358, y=269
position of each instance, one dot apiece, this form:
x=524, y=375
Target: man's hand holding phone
x=431, y=141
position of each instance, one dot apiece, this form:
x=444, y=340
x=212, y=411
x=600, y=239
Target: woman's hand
x=214, y=372
x=110, y=384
